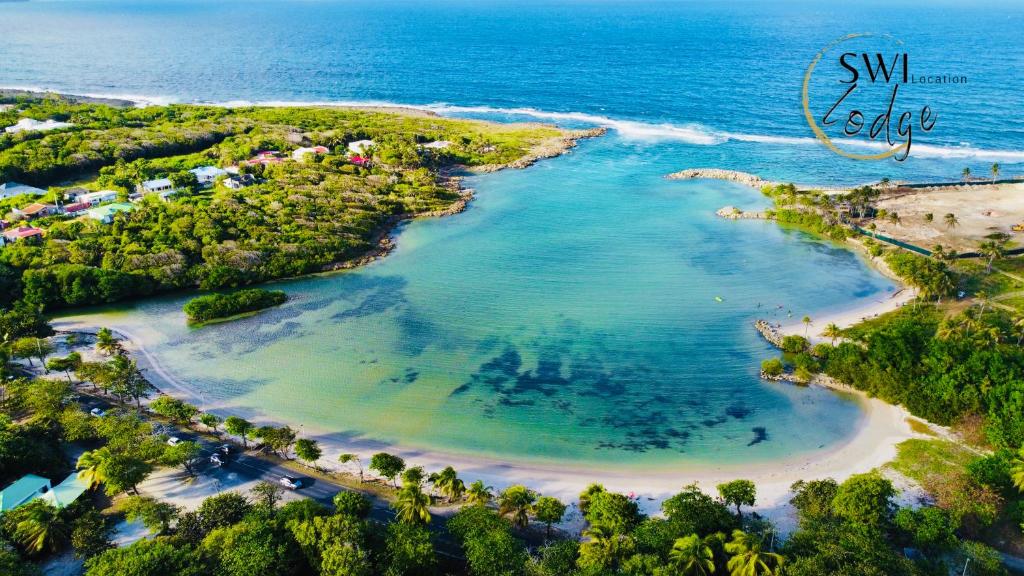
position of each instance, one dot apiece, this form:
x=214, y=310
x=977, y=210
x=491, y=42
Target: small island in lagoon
x=223, y=307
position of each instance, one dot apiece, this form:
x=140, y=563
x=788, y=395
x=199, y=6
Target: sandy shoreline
x=882, y=427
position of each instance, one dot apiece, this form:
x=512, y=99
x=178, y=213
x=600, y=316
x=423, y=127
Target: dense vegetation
x=214, y=306
x=301, y=217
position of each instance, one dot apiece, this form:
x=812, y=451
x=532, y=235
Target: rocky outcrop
x=734, y=213
x=770, y=333
x=720, y=174
x=547, y=149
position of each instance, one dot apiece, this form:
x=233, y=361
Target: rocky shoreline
x=385, y=242
x=745, y=178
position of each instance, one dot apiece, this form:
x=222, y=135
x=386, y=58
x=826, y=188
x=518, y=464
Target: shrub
x=214, y=306
x=794, y=343
x=772, y=367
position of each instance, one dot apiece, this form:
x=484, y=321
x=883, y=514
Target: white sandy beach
x=882, y=427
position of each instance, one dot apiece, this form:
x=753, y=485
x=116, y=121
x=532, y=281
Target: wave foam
x=689, y=133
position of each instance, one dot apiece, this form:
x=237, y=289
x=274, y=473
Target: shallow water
x=569, y=315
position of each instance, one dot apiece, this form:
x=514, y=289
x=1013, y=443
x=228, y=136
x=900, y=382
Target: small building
x=239, y=181
x=166, y=195
x=72, y=194
x=97, y=198
x=36, y=210
x=14, y=189
x=266, y=157
x=359, y=161
x=300, y=154
x=207, y=175
x=360, y=146
x=12, y=235
x=105, y=214
x=26, y=489
x=31, y=487
x=32, y=125
x=436, y=145
x=155, y=186
x=76, y=207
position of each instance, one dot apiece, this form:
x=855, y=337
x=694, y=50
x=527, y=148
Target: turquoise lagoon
x=569, y=315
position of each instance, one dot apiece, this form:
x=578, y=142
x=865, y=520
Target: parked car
x=224, y=449
x=97, y=412
x=291, y=482
x=217, y=460
x=173, y=441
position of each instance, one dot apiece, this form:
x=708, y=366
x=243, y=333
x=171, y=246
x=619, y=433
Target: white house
x=207, y=174
x=12, y=189
x=97, y=198
x=29, y=125
x=156, y=186
x=300, y=154
x=360, y=146
x=239, y=181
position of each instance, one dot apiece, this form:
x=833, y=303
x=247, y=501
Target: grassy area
x=922, y=460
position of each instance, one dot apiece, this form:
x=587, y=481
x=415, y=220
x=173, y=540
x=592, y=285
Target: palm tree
x=447, y=482
x=479, y=493
x=950, y=220
x=517, y=503
x=609, y=546
x=90, y=465
x=748, y=558
x=832, y=331
x=692, y=556
x=966, y=174
x=993, y=250
x=929, y=217
x=106, y=342
x=995, y=171
x=40, y=527
x=807, y=324
x=347, y=458
x=413, y=504
x=1017, y=470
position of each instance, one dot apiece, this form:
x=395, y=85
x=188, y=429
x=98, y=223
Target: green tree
x=332, y=544
x=587, y=494
x=966, y=173
x=549, y=510
x=413, y=504
x=1017, y=470
x=223, y=510
x=252, y=547
x=126, y=381
x=308, y=450
x=832, y=331
x=352, y=504
x=106, y=342
x=67, y=365
x=408, y=551
x=604, y=549
x=615, y=511
x=31, y=347
x=278, y=439
x=211, y=421
x=748, y=556
x=694, y=511
x=516, y=502
x=738, y=493
x=479, y=493
x=387, y=465
x=187, y=454
x=995, y=171
x=36, y=527
x=178, y=411
x=118, y=472
x=90, y=534
x=448, y=483
x=348, y=458
x=950, y=220
x=693, y=556
x=155, y=515
x=266, y=494
x=865, y=499
x=495, y=553
x=145, y=558
x=239, y=427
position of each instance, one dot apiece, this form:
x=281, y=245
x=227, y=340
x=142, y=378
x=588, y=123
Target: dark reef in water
x=760, y=435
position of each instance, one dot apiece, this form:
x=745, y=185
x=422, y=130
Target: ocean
x=570, y=315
